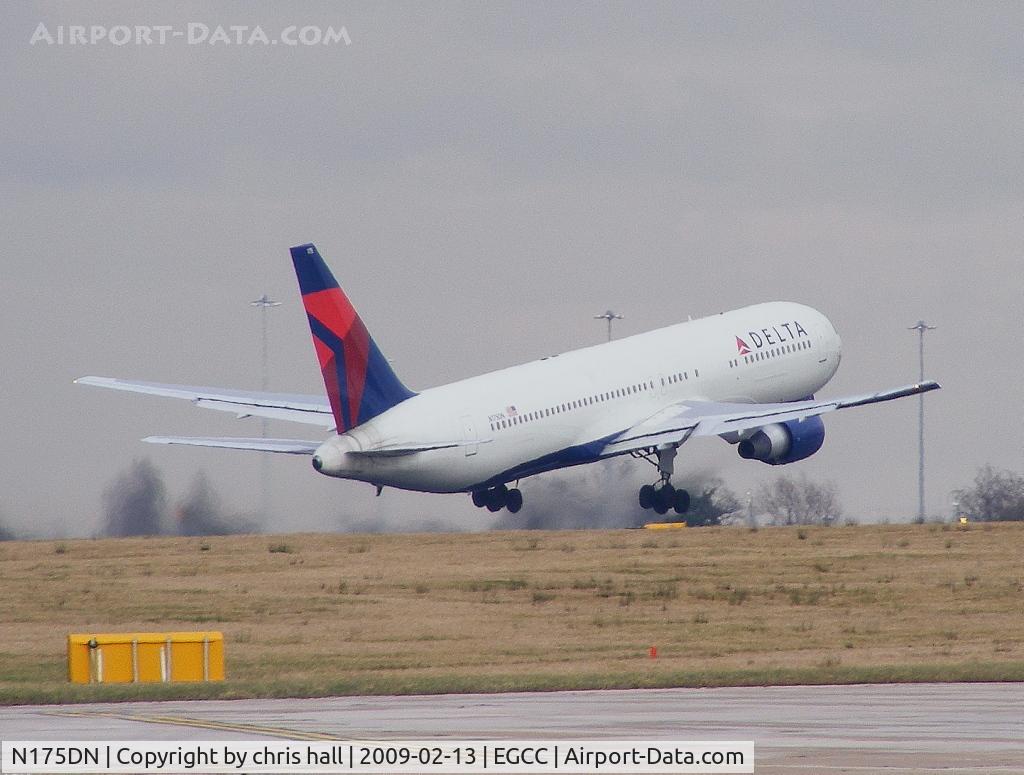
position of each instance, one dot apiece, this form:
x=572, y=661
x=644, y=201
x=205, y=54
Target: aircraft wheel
x=496, y=498
x=514, y=501
x=665, y=497
x=479, y=498
x=659, y=507
x=647, y=496
x=682, y=502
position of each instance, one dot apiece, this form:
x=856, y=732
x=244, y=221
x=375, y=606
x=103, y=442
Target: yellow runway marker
x=221, y=726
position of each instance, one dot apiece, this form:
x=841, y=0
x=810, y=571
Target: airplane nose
x=318, y=462
x=837, y=345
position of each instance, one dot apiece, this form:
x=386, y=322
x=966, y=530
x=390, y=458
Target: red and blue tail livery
x=360, y=383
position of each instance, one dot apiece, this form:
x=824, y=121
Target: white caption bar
x=391, y=756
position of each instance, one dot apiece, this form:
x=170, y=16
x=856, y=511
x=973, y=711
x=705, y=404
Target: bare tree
x=135, y=502
x=995, y=496
x=200, y=512
x=712, y=503
x=799, y=501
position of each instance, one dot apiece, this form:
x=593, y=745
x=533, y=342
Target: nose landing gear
x=662, y=496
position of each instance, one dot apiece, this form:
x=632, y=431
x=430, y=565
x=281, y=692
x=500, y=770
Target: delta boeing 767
x=747, y=376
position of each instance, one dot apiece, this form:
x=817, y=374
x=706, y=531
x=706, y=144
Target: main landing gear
x=497, y=498
x=662, y=496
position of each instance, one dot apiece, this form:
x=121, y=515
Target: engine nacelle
x=787, y=442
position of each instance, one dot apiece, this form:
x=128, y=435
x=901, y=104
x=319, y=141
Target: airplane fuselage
x=546, y=414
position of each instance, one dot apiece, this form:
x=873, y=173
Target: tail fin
x=360, y=383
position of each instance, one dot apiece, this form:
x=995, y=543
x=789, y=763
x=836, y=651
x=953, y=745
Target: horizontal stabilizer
x=281, y=446
x=311, y=410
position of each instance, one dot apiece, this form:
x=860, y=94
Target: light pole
x=609, y=316
x=264, y=303
x=920, y=327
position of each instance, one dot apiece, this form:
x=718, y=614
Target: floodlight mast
x=608, y=315
x=920, y=327
x=265, y=303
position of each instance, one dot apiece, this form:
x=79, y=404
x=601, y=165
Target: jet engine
x=787, y=442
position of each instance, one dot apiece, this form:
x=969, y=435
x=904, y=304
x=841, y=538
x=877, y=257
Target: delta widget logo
x=771, y=336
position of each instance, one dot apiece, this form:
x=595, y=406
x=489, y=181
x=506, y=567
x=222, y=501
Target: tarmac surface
x=904, y=728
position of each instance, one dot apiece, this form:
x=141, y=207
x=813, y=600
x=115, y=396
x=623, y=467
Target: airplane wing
x=282, y=446
x=312, y=410
x=677, y=423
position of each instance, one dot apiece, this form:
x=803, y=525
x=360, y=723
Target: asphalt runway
x=908, y=728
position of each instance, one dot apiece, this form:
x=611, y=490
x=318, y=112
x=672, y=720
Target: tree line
x=136, y=503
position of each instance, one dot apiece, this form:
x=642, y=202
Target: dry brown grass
x=311, y=614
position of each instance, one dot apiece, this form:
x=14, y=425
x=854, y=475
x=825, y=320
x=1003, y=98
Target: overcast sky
x=484, y=179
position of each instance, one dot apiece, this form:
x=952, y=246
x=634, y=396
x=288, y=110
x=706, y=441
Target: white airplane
x=747, y=376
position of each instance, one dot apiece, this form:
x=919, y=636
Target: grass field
x=307, y=615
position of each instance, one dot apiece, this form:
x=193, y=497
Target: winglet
x=359, y=381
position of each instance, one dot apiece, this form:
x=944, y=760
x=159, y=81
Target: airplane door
x=469, y=435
